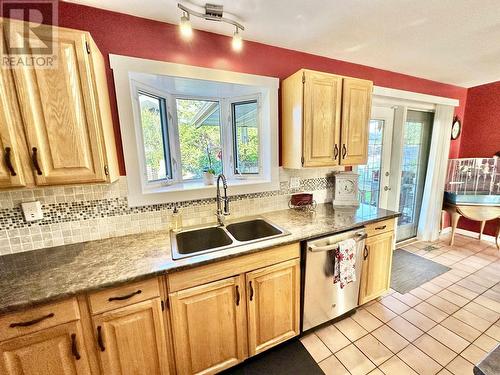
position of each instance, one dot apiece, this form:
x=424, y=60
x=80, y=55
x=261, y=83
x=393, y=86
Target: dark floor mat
x=287, y=359
x=409, y=271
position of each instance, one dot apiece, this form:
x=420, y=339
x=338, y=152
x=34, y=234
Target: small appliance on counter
x=345, y=192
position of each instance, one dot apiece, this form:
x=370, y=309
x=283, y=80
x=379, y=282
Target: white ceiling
x=452, y=41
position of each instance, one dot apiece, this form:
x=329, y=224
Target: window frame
x=127, y=69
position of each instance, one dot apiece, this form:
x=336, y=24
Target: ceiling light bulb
x=185, y=27
x=237, y=41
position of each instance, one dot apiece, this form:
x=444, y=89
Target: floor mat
x=286, y=359
x=409, y=271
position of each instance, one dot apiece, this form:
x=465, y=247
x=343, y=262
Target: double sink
x=201, y=240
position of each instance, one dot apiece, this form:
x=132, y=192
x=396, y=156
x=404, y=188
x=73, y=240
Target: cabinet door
x=322, y=103
x=56, y=350
x=12, y=142
x=131, y=340
x=273, y=305
x=208, y=324
x=58, y=107
x=356, y=109
x=376, y=269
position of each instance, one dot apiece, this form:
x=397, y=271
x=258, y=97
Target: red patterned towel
x=345, y=263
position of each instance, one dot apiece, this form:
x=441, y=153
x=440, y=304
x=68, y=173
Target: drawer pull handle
x=251, y=291
x=99, y=339
x=34, y=156
x=8, y=162
x=365, y=253
x=344, y=151
x=335, y=151
x=382, y=227
x=74, y=349
x=31, y=322
x=237, y=295
x=121, y=298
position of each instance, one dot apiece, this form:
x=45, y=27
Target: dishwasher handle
x=358, y=237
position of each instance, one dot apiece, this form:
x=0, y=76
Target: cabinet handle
x=365, y=253
x=99, y=339
x=74, y=349
x=8, y=162
x=335, y=151
x=237, y=295
x=344, y=151
x=31, y=322
x=34, y=157
x=121, y=298
x=251, y=291
x=382, y=227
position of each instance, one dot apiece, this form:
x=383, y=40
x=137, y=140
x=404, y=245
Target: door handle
x=121, y=298
x=344, y=151
x=237, y=295
x=100, y=342
x=335, y=151
x=365, y=253
x=74, y=349
x=8, y=161
x=34, y=157
x=251, y=291
x=387, y=188
x=31, y=322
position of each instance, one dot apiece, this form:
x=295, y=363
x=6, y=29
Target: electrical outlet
x=294, y=182
x=32, y=211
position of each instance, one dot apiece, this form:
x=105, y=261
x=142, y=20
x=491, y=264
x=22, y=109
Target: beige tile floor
x=442, y=327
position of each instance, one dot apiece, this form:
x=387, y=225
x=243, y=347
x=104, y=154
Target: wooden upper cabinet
x=209, y=326
x=56, y=350
x=12, y=141
x=65, y=112
x=322, y=101
x=376, y=268
x=273, y=305
x=324, y=120
x=356, y=109
x=131, y=340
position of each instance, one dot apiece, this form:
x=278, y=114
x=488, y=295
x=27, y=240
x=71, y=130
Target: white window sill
x=195, y=190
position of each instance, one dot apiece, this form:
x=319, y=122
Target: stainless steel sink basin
x=204, y=239
x=253, y=230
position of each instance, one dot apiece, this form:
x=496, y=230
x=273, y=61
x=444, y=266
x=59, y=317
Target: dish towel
x=345, y=263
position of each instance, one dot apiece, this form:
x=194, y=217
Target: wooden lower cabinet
x=376, y=269
x=52, y=351
x=209, y=326
x=273, y=305
x=132, y=339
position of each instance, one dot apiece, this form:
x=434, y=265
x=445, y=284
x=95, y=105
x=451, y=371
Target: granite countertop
x=43, y=275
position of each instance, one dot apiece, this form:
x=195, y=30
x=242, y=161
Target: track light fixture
x=212, y=13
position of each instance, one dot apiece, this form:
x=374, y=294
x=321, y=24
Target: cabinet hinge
x=302, y=160
x=106, y=170
x=87, y=46
x=303, y=77
x=162, y=305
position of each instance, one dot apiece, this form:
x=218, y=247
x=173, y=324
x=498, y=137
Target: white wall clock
x=345, y=192
x=456, y=128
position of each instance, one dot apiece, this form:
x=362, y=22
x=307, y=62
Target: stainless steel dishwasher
x=324, y=300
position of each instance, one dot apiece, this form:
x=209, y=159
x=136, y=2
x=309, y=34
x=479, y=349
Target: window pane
x=369, y=174
x=154, y=134
x=246, y=134
x=199, y=136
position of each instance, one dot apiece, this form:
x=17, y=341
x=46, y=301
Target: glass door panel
x=369, y=174
x=416, y=141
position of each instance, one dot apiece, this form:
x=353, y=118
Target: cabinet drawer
x=380, y=227
x=123, y=295
x=38, y=318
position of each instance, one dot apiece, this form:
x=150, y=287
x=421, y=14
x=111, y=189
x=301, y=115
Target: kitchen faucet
x=220, y=212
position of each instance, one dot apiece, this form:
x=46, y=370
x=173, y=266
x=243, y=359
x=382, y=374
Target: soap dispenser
x=176, y=220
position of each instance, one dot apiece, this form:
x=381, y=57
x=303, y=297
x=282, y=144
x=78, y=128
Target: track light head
x=185, y=26
x=237, y=41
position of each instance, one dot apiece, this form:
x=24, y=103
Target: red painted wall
x=117, y=33
x=481, y=134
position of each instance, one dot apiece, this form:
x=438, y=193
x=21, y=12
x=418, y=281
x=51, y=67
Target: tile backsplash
x=81, y=213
